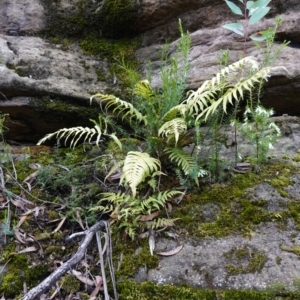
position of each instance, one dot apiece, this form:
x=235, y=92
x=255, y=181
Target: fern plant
x=129, y=212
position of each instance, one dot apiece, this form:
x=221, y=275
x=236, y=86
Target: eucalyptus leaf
x=258, y=15
x=249, y=4
x=260, y=3
x=235, y=27
x=257, y=38
x=234, y=8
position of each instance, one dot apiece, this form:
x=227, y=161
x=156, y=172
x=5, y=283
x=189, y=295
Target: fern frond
x=115, y=197
x=76, y=132
x=143, y=89
x=137, y=166
x=162, y=222
x=115, y=167
x=174, y=128
x=123, y=108
x=183, y=160
x=235, y=93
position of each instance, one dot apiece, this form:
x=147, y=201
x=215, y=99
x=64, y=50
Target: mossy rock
x=131, y=290
x=113, y=18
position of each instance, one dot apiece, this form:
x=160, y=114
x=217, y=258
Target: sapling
x=260, y=131
x=253, y=12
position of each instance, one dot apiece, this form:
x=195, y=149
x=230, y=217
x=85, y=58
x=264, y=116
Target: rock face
x=38, y=77
x=33, y=67
x=264, y=257
x=204, y=20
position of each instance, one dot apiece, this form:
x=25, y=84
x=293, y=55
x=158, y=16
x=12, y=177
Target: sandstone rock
x=21, y=17
x=226, y=263
x=33, y=68
x=281, y=90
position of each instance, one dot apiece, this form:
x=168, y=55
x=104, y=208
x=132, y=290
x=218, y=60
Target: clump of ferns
x=226, y=88
x=129, y=209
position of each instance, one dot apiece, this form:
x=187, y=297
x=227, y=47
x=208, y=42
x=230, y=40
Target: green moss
x=117, y=52
x=11, y=285
x=294, y=249
x=132, y=262
x=117, y=18
x=245, y=260
x=70, y=284
x=113, y=18
x=233, y=211
x=66, y=110
x=278, y=260
x=130, y=290
x=18, y=272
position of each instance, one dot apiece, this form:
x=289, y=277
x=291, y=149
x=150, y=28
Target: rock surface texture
x=36, y=72
x=264, y=257
x=204, y=19
x=34, y=67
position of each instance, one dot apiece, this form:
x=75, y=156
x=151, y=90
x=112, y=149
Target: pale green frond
x=162, y=222
x=182, y=159
x=115, y=167
x=137, y=166
x=143, y=89
x=197, y=102
x=162, y=197
x=174, y=128
x=175, y=111
x=115, y=197
x=123, y=108
x=116, y=140
x=235, y=93
x=75, y=132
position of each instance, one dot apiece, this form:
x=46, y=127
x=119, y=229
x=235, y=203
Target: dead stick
x=63, y=269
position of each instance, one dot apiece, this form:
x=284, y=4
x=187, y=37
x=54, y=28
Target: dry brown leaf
x=18, y=203
x=171, y=252
x=53, y=221
x=170, y=208
x=59, y=225
x=99, y=287
x=28, y=249
x=144, y=235
x=85, y=264
x=19, y=236
x=34, y=166
x=114, y=216
x=151, y=240
x=21, y=221
x=38, y=210
x=2, y=199
x=149, y=217
x=83, y=278
x=172, y=234
x=28, y=186
x=79, y=218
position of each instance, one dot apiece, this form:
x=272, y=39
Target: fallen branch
x=63, y=269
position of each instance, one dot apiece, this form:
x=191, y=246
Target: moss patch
x=235, y=212
x=130, y=290
x=113, y=18
x=245, y=260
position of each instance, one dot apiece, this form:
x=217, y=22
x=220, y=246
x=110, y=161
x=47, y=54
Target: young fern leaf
x=162, y=222
x=143, y=89
x=172, y=128
x=124, y=108
x=137, y=166
x=235, y=93
x=183, y=160
x=76, y=132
